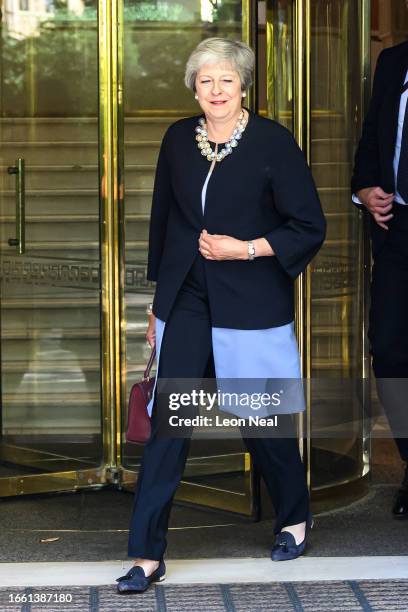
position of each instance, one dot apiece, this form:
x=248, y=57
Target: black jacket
x=375, y=153
x=263, y=189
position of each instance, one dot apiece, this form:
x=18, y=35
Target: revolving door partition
x=73, y=305
x=318, y=42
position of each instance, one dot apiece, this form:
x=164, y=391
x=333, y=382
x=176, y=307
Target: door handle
x=19, y=171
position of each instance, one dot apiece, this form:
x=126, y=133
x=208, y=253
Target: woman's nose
x=216, y=88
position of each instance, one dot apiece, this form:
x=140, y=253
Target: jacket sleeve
x=161, y=202
x=299, y=237
x=366, y=162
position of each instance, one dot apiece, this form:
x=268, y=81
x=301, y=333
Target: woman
x=235, y=219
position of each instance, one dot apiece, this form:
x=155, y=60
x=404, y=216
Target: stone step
x=323, y=125
x=332, y=174
x=76, y=228
x=53, y=335
x=65, y=250
x=340, y=224
x=77, y=176
x=336, y=200
x=50, y=411
x=89, y=367
x=140, y=176
x=327, y=125
x=72, y=152
x=332, y=150
x=71, y=202
x=85, y=228
x=79, y=128
x=44, y=346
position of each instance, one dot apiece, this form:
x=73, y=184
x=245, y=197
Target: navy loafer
x=285, y=547
x=136, y=581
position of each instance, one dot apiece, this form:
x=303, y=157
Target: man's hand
x=218, y=246
x=378, y=203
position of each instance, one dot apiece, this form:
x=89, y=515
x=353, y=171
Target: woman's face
x=218, y=87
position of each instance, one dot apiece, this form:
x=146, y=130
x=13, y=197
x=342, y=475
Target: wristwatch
x=149, y=309
x=251, y=250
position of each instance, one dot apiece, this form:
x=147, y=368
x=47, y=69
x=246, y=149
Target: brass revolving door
x=86, y=94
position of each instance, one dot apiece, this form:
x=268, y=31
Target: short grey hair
x=216, y=51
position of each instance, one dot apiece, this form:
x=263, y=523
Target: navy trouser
x=185, y=352
x=388, y=328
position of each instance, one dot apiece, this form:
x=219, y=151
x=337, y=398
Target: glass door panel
x=50, y=412
x=279, y=65
x=330, y=305
x=158, y=39
x=337, y=272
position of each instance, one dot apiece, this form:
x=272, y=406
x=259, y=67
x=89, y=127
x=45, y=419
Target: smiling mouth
x=218, y=102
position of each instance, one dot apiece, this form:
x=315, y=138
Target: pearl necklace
x=205, y=147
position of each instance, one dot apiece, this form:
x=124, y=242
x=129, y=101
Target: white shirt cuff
x=356, y=200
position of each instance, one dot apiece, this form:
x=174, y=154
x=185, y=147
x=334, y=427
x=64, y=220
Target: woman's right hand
x=151, y=331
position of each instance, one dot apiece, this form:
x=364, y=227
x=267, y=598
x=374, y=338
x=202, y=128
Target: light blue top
x=249, y=353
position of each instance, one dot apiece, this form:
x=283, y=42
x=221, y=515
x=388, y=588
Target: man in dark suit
x=380, y=186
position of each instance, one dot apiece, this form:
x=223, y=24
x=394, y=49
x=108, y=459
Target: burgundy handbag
x=138, y=424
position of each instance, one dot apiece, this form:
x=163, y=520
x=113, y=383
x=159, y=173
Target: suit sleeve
x=366, y=162
x=161, y=202
x=300, y=236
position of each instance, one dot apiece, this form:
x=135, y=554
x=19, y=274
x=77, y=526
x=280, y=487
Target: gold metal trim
x=307, y=456
x=365, y=34
x=59, y=481
x=241, y=502
x=329, y=498
x=109, y=198
x=301, y=123
x=364, y=242
x=44, y=460
x=120, y=236
x=249, y=36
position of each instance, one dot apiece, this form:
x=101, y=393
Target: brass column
x=111, y=204
x=301, y=124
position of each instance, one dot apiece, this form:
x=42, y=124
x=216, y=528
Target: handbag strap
x=150, y=363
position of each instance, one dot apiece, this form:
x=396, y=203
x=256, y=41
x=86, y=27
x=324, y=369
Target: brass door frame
x=301, y=125
x=111, y=199
x=110, y=203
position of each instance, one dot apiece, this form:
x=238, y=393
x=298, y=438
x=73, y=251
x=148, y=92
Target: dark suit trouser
x=388, y=328
x=185, y=352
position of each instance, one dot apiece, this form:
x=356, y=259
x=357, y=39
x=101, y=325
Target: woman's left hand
x=218, y=246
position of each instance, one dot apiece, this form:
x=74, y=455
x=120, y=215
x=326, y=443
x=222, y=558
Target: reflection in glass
x=158, y=40
x=50, y=297
x=279, y=63
x=336, y=272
